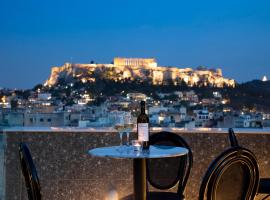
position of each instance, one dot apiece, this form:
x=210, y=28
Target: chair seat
x=264, y=186
x=158, y=196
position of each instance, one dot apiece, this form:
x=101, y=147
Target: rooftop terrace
x=66, y=171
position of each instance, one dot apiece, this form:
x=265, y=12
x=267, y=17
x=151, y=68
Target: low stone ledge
x=66, y=171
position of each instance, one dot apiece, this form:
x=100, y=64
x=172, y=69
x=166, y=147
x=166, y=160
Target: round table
x=139, y=161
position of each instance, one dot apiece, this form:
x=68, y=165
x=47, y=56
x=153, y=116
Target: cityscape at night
x=134, y=100
x=94, y=95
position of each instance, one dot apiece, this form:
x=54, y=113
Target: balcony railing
x=66, y=171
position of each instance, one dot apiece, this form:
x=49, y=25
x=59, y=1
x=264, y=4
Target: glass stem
x=121, y=138
x=127, y=138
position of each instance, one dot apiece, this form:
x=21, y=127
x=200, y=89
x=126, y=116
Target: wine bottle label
x=143, y=131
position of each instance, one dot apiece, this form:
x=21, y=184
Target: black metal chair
x=233, y=139
x=233, y=175
x=29, y=172
x=165, y=173
x=264, y=184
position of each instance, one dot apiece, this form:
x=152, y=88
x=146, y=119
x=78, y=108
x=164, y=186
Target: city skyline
x=229, y=35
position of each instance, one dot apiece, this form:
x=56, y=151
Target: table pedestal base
x=139, y=179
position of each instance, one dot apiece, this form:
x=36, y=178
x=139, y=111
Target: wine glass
x=128, y=126
x=119, y=126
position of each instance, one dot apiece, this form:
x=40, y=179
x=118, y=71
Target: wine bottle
x=143, y=127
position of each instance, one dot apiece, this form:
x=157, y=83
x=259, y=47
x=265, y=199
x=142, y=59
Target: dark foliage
x=253, y=94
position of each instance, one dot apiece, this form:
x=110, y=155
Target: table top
x=155, y=151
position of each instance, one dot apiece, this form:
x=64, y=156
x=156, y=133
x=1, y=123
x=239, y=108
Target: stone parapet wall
x=2, y=166
x=66, y=170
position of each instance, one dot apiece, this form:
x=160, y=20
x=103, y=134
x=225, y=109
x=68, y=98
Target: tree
x=14, y=104
x=99, y=101
x=69, y=102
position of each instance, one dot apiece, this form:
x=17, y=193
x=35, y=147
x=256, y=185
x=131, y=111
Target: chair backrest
x=165, y=173
x=29, y=172
x=233, y=139
x=233, y=175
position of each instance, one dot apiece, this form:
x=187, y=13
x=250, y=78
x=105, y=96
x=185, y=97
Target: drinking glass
x=136, y=145
x=128, y=126
x=119, y=126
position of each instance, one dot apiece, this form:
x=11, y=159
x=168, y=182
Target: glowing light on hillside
x=4, y=99
x=84, y=80
x=226, y=110
x=264, y=78
x=225, y=101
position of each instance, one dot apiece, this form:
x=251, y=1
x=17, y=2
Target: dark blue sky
x=38, y=34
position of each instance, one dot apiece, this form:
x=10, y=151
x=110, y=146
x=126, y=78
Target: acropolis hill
x=139, y=69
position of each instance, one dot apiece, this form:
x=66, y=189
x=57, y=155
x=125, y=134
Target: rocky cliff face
x=130, y=71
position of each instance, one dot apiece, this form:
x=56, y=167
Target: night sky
x=36, y=35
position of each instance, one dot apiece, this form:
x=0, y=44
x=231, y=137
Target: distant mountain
x=138, y=70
